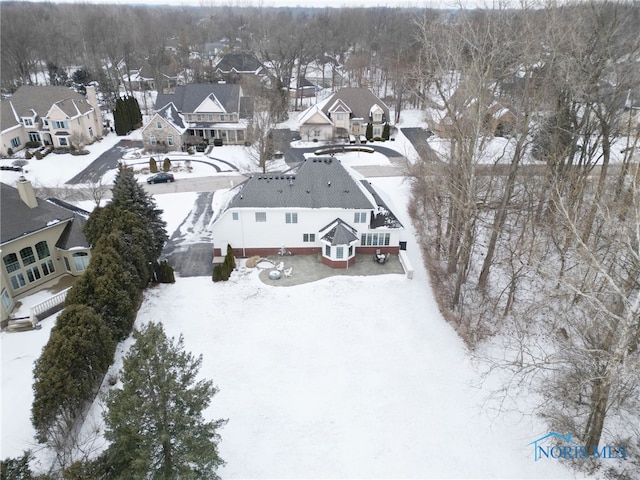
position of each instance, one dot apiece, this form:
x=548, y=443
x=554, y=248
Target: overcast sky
x=315, y=3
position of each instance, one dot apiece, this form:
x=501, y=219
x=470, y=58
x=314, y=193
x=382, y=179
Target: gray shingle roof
x=17, y=219
x=359, y=100
x=239, y=62
x=28, y=99
x=171, y=114
x=339, y=233
x=188, y=97
x=319, y=183
x=383, y=216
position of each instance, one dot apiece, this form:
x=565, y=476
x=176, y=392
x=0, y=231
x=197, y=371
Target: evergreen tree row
x=127, y=237
x=126, y=115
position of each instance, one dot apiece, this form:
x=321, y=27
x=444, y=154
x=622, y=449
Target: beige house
x=165, y=130
x=346, y=112
x=55, y=116
x=40, y=241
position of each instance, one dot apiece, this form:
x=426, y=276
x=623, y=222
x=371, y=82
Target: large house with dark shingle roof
x=56, y=116
x=200, y=113
x=346, y=112
x=40, y=240
x=319, y=208
x=235, y=65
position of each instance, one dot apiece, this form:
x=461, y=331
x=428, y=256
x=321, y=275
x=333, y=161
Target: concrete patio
x=309, y=268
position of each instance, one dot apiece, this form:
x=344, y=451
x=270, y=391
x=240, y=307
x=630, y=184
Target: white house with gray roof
x=56, y=116
x=40, y=240
x=319, y=208
x=346, y=112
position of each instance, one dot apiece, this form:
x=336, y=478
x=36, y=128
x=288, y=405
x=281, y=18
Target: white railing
x=48, y=304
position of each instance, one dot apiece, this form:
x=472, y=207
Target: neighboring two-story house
x=40, y=240
x=201, y=113
x=56, y=116
x=346, y=112
x=321, y=208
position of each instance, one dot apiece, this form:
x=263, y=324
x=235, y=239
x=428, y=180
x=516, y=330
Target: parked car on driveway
x=161, y=177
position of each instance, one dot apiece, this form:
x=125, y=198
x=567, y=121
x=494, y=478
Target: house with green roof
x=318, y=208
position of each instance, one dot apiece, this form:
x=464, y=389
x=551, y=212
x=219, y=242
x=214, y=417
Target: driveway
x=193, y=259
x=105, y=162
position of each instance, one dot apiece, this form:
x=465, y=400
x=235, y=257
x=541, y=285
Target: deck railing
x=49, y=305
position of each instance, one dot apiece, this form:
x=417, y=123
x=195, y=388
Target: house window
x=47, y=267
x=11, y=262
x=33, y=274
x=340, y=116
x=27, y=122
x=42, y=249
x=291, y=217
x=91, y=132
x=170, y=140
x=159, y=124
x=199, y=117
x=18, y=281
x=377, y=131
x=6, y=299
x=34, y=137
x=66, y=264
x=59, y=124
x=360, y=217
x=308, y=237
x=80, y=261
x=377, y=117
x=15, y=142
x=27, y=256
x=339, y=252
x=62, y=141
x=211, y=118
x=375, y=239
x=152, y=139
x=45, y=122
x=261, y=216
x=327, y=250
x=350, y=251
x=234, y=215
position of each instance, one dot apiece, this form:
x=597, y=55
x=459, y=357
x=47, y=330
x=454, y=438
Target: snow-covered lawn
x=344, y=377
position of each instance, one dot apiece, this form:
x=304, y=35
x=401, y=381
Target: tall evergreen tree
x=111, y=289
x=155, y=422
x=129, y=194
x=70, y=369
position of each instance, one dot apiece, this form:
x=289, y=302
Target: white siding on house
x=246, y=232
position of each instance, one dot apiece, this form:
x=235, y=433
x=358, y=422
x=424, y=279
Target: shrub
x=166, y=165
x=28, y=155
x=32, y=144
x=164, y=273
x=153, y=165
x=9, y=151
x=38, y=155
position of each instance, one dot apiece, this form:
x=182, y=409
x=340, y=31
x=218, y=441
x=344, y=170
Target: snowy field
x=347, y=377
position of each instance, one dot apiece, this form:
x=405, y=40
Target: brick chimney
x=27, y=195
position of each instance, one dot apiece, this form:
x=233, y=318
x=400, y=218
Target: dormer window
x=377, y=117
x=27, y=122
